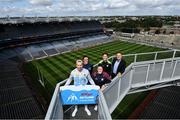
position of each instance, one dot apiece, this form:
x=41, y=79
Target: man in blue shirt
x=118, y=65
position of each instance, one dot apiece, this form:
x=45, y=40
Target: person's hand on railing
x=119, y=74
x=103, y=87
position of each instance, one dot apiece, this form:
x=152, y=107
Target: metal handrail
x=135, y=54
x=156, y=61
x=129, y=70
x=53, y=103
x=103, y=106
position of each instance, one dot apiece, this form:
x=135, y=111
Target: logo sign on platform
x=73, y=95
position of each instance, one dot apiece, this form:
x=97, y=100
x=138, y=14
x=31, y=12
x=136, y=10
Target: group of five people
x=83, y=73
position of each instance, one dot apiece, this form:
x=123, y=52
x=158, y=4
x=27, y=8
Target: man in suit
x=118, y=66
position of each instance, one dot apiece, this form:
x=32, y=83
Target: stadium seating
x=166, y=105
x=7, y=53
x=59, y=46
x=23, y=53
x=29, y=41
x=17, y=100
x=41, y=50
x=36, y=51
x=24, y=33
x=41, y=39
x=165, y=40
x=49, y=49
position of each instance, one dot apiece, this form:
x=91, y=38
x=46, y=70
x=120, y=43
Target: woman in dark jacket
x=100, y=78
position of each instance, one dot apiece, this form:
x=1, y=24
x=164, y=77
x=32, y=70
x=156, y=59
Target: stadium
x=38, y=54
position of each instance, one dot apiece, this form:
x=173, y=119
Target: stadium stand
x=42, y=50
x=24, y=54
x=26, y=41
x=37, y=40
x=49, y=49
x=7, y=53
x=59, y=46
x=25, y=33
x=36, y=51
x=42, y=39
x=16, y=101
x=165, y=40
x=165, y=105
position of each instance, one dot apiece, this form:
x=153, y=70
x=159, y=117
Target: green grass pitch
x=57, y=68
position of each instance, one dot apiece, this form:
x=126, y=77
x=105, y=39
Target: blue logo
x=72, y=98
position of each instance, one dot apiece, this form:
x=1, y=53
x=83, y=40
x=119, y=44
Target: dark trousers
x=113, y=75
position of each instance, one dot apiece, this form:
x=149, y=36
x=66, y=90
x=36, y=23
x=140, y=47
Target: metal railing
x=55, y=110
x=138, y=76
x=118, y=89
x=130, y=57
x=103, y=111
x=152, y=55
x=150, y=43
x=142, y=76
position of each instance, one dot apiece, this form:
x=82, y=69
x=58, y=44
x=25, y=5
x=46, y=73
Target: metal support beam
x=147, y=74
x=172, y=75
x=162, y=71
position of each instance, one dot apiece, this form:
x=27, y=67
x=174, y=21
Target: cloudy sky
x=88, y=7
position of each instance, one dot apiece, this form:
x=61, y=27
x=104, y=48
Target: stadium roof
x=15, y=20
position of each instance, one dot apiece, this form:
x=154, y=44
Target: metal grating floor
x=81, y=114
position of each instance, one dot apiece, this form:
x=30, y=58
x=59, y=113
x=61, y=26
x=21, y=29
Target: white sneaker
x=95, y=108
x=74, y=112
x=87, y=111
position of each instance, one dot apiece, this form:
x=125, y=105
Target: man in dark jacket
x=87, y=65
x=118, y=65
x=105, y=63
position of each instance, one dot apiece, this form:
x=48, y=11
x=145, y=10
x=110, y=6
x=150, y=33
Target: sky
x=88, y=7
